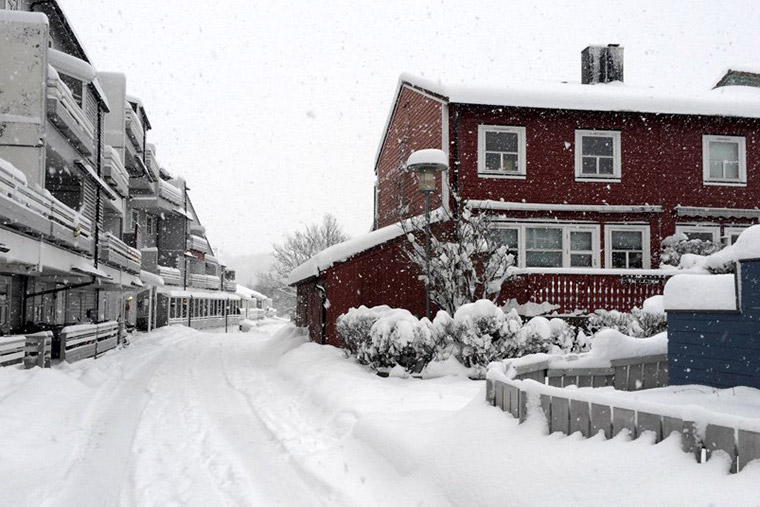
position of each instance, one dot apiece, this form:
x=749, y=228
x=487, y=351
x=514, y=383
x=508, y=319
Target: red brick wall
x=309, y=308
x=416, y=124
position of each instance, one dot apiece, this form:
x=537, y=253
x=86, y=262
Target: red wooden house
x=586, y=179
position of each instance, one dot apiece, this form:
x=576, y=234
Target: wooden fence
x=31, y=350
x=628, y=374
x=568, y=413
x=88, y=340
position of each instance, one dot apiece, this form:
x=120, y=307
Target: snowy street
x=187, y=418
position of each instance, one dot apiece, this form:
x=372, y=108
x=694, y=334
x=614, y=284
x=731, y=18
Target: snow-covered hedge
x=640, y=323
x=477, y=334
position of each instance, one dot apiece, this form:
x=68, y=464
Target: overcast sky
x=273, y=111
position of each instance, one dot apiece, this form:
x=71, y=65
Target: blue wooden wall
x=719, y=348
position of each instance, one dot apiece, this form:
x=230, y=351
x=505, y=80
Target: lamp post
x=427, y=164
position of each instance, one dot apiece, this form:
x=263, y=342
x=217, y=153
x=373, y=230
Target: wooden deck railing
x=88, y=340
x=586, y=290
x=115, y=251
x=31, y=350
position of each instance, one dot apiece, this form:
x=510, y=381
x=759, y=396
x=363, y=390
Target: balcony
x=151, y=163
x=67, y=115
x=204, y=281
x=135, y=130
x=114, y=171
x=198, y=244
x=230, y=285
x=115, y=252
x=162, y=196
x=171, y=276
x=584, y=290
x=29, y=210
x=69, y=227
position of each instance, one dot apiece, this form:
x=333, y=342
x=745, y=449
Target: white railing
x=70, y=219
x=197, y=243
x=115, y=172
x=135, y=130
x=205, y=281
x=230, y=285
x=169, y=192
x=115, y=251
x=171, y=276
x=57, y=89
x=12, y=349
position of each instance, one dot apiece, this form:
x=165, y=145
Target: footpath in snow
x=182, y=417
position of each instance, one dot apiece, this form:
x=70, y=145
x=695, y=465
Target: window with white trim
x=701, y=232
x=501, y=151
x=550, y=245
x=597, y=155
x=731, y=234
x=627, y=246
x=724, y=160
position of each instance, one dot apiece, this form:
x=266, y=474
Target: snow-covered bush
x=477, y=334
x=640, y=323
x=676, y=246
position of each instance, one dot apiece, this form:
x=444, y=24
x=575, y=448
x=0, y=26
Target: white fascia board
x=696, y=211
x=531, y=206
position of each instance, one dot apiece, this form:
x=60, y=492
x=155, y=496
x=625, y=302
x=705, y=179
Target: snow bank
x=701, y=292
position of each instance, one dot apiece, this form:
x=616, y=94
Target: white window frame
x=707, y=228
x=521, y=153
x=729, y=231
x=566, y=228
x=742, y=142
x=616, y=154
x=646, y=261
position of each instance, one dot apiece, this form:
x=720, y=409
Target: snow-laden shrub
x=397, y=337
x=674, y=247
x=483, y=332
x=640, y=323
x=354, y=327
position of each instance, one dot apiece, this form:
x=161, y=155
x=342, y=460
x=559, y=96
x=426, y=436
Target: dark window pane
x=606, y=165
x=626, y=240
x=580, y=241
x=501, y=141
x=597, y=145
x=493, y=161
x=704, y=236
x=543, y=259
x=619, y=260
x=544, y=238
x=635, y=260
x=589, y=165
x=510, y=162
x=580, y=260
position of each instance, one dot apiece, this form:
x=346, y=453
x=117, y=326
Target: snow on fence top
x=11, y=170
x=246, y=293
x=615, y=96
x=701, y=292
x=344, y=251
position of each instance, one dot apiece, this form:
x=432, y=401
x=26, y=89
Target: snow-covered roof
x=151, y=279
x=343, y=251
x=246, y=293
x=197, y=294
x=535, y=206
x=740, y=101
x=701, y=292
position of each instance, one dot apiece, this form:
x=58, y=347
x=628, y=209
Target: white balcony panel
x=114, y=171
x=67, y=115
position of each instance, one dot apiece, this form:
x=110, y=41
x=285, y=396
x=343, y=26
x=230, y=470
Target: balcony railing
x=114, y=171
x=69, y=226
x=586, y=290
x=67, y=115
x=169, y=192
x=135, y=131
x=230, y=285
x=171, y=276
x=197, y=243
x=152, y=163
x=115, y=252
x=204, y=282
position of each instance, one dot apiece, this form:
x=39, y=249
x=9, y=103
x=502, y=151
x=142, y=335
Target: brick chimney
x=602, y=64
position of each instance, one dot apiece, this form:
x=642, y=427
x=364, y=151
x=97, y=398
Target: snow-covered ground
x=182, y=417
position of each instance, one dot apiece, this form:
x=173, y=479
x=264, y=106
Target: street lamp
x=427, y=163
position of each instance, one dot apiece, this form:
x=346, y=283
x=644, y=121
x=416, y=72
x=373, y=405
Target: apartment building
x=92, y=227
